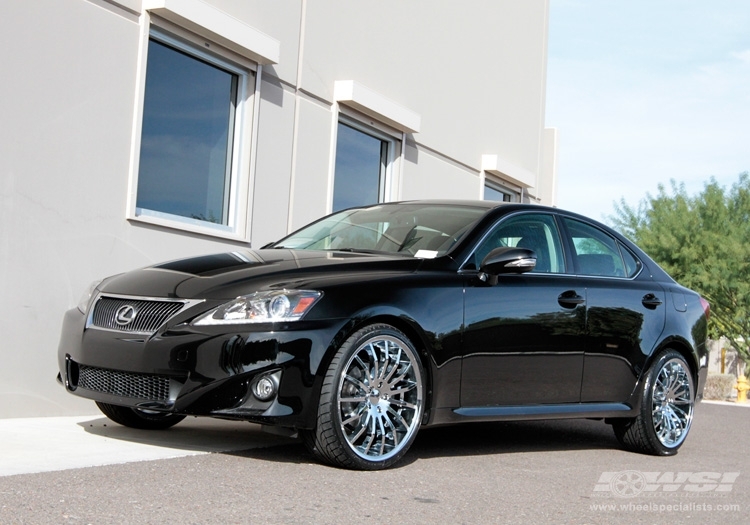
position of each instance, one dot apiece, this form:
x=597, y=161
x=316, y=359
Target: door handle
x=570, y=299
x=651, y=301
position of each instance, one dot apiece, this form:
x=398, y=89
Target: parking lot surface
x=89, y=470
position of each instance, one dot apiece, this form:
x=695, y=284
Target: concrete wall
x=474, y=72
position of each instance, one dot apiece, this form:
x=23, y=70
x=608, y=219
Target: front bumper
x=204, y=372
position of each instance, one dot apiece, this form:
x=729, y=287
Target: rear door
x=625, y=312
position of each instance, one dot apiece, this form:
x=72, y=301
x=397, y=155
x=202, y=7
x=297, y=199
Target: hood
x=227, y=275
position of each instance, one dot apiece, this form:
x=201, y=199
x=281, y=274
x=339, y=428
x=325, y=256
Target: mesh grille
x=124, y=384
x=147, y=316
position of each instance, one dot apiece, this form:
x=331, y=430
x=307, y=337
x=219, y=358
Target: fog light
x=265, y=388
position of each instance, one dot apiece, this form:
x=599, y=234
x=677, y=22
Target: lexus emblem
x=125, y=315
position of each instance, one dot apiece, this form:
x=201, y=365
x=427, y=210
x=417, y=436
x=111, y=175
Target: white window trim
x=508, y=171
x=376, y=106
x=497, y=185
x=379, y=116
x=217, y=26
x=244, y=148
x=390, y=183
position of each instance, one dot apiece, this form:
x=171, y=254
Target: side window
x=363, y=159
x=190, y=172
x=495, y=192
x=597, y=253
x=535, y=231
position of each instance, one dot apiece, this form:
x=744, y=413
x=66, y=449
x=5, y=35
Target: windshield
x=419, y=230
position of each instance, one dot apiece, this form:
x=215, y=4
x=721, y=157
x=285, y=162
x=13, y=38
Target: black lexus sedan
x=370, y=323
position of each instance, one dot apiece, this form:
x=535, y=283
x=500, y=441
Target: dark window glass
x=596, y=252
x=187, y=136
x=360, y=168
x=492, y=194
x=534, y=231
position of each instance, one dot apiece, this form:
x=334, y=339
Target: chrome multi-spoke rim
x=672, y=403
x=380, y=398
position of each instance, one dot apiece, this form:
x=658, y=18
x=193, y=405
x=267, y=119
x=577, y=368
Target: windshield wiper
x=364, y=250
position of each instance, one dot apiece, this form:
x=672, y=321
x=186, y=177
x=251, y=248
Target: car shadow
x=247, y=440
x=474, y=439
x=192, y=434
x=514, y=437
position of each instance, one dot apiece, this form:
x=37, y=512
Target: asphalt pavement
x=90, y=470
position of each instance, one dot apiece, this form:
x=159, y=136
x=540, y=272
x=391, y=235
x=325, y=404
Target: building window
x=190, y=144
x=493, y=192
x=363, y=158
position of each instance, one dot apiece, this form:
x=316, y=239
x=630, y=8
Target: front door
x=524, y=336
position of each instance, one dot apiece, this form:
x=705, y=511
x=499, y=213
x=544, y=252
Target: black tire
x=371, y=401
x=137, y=418
x=667, y=402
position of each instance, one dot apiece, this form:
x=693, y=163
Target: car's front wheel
x=371, y=401
x=666, y=413
x=138, y=418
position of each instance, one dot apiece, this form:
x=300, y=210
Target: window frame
x=387, y=184
x=619, y=246
x=500, y=188
x=244, y=131
x=470, y=264
x=569, y=254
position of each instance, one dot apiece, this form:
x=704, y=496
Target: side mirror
x=508, y=260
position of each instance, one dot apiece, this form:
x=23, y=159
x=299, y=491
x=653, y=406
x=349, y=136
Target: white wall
x=474, y=72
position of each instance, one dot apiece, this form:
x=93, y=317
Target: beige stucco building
x=137, y=131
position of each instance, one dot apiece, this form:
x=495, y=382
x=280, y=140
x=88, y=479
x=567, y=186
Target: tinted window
x=597, y=253
x=491, y=193
x=361, y=161
x=187, y=136
x=535, y=231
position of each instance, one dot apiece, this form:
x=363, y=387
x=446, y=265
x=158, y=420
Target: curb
x=726, y=403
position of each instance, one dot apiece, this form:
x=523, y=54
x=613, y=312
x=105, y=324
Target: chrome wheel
x=672, y=403
x=380, y=398
x=666, y=410
x=371, y=401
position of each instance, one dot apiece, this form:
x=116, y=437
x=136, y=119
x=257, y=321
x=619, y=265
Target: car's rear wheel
x=139, y=418
x=667, y=403
x=371, y=401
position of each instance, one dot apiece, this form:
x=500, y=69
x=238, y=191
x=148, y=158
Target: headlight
x=83, y=304
x=262, y=307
